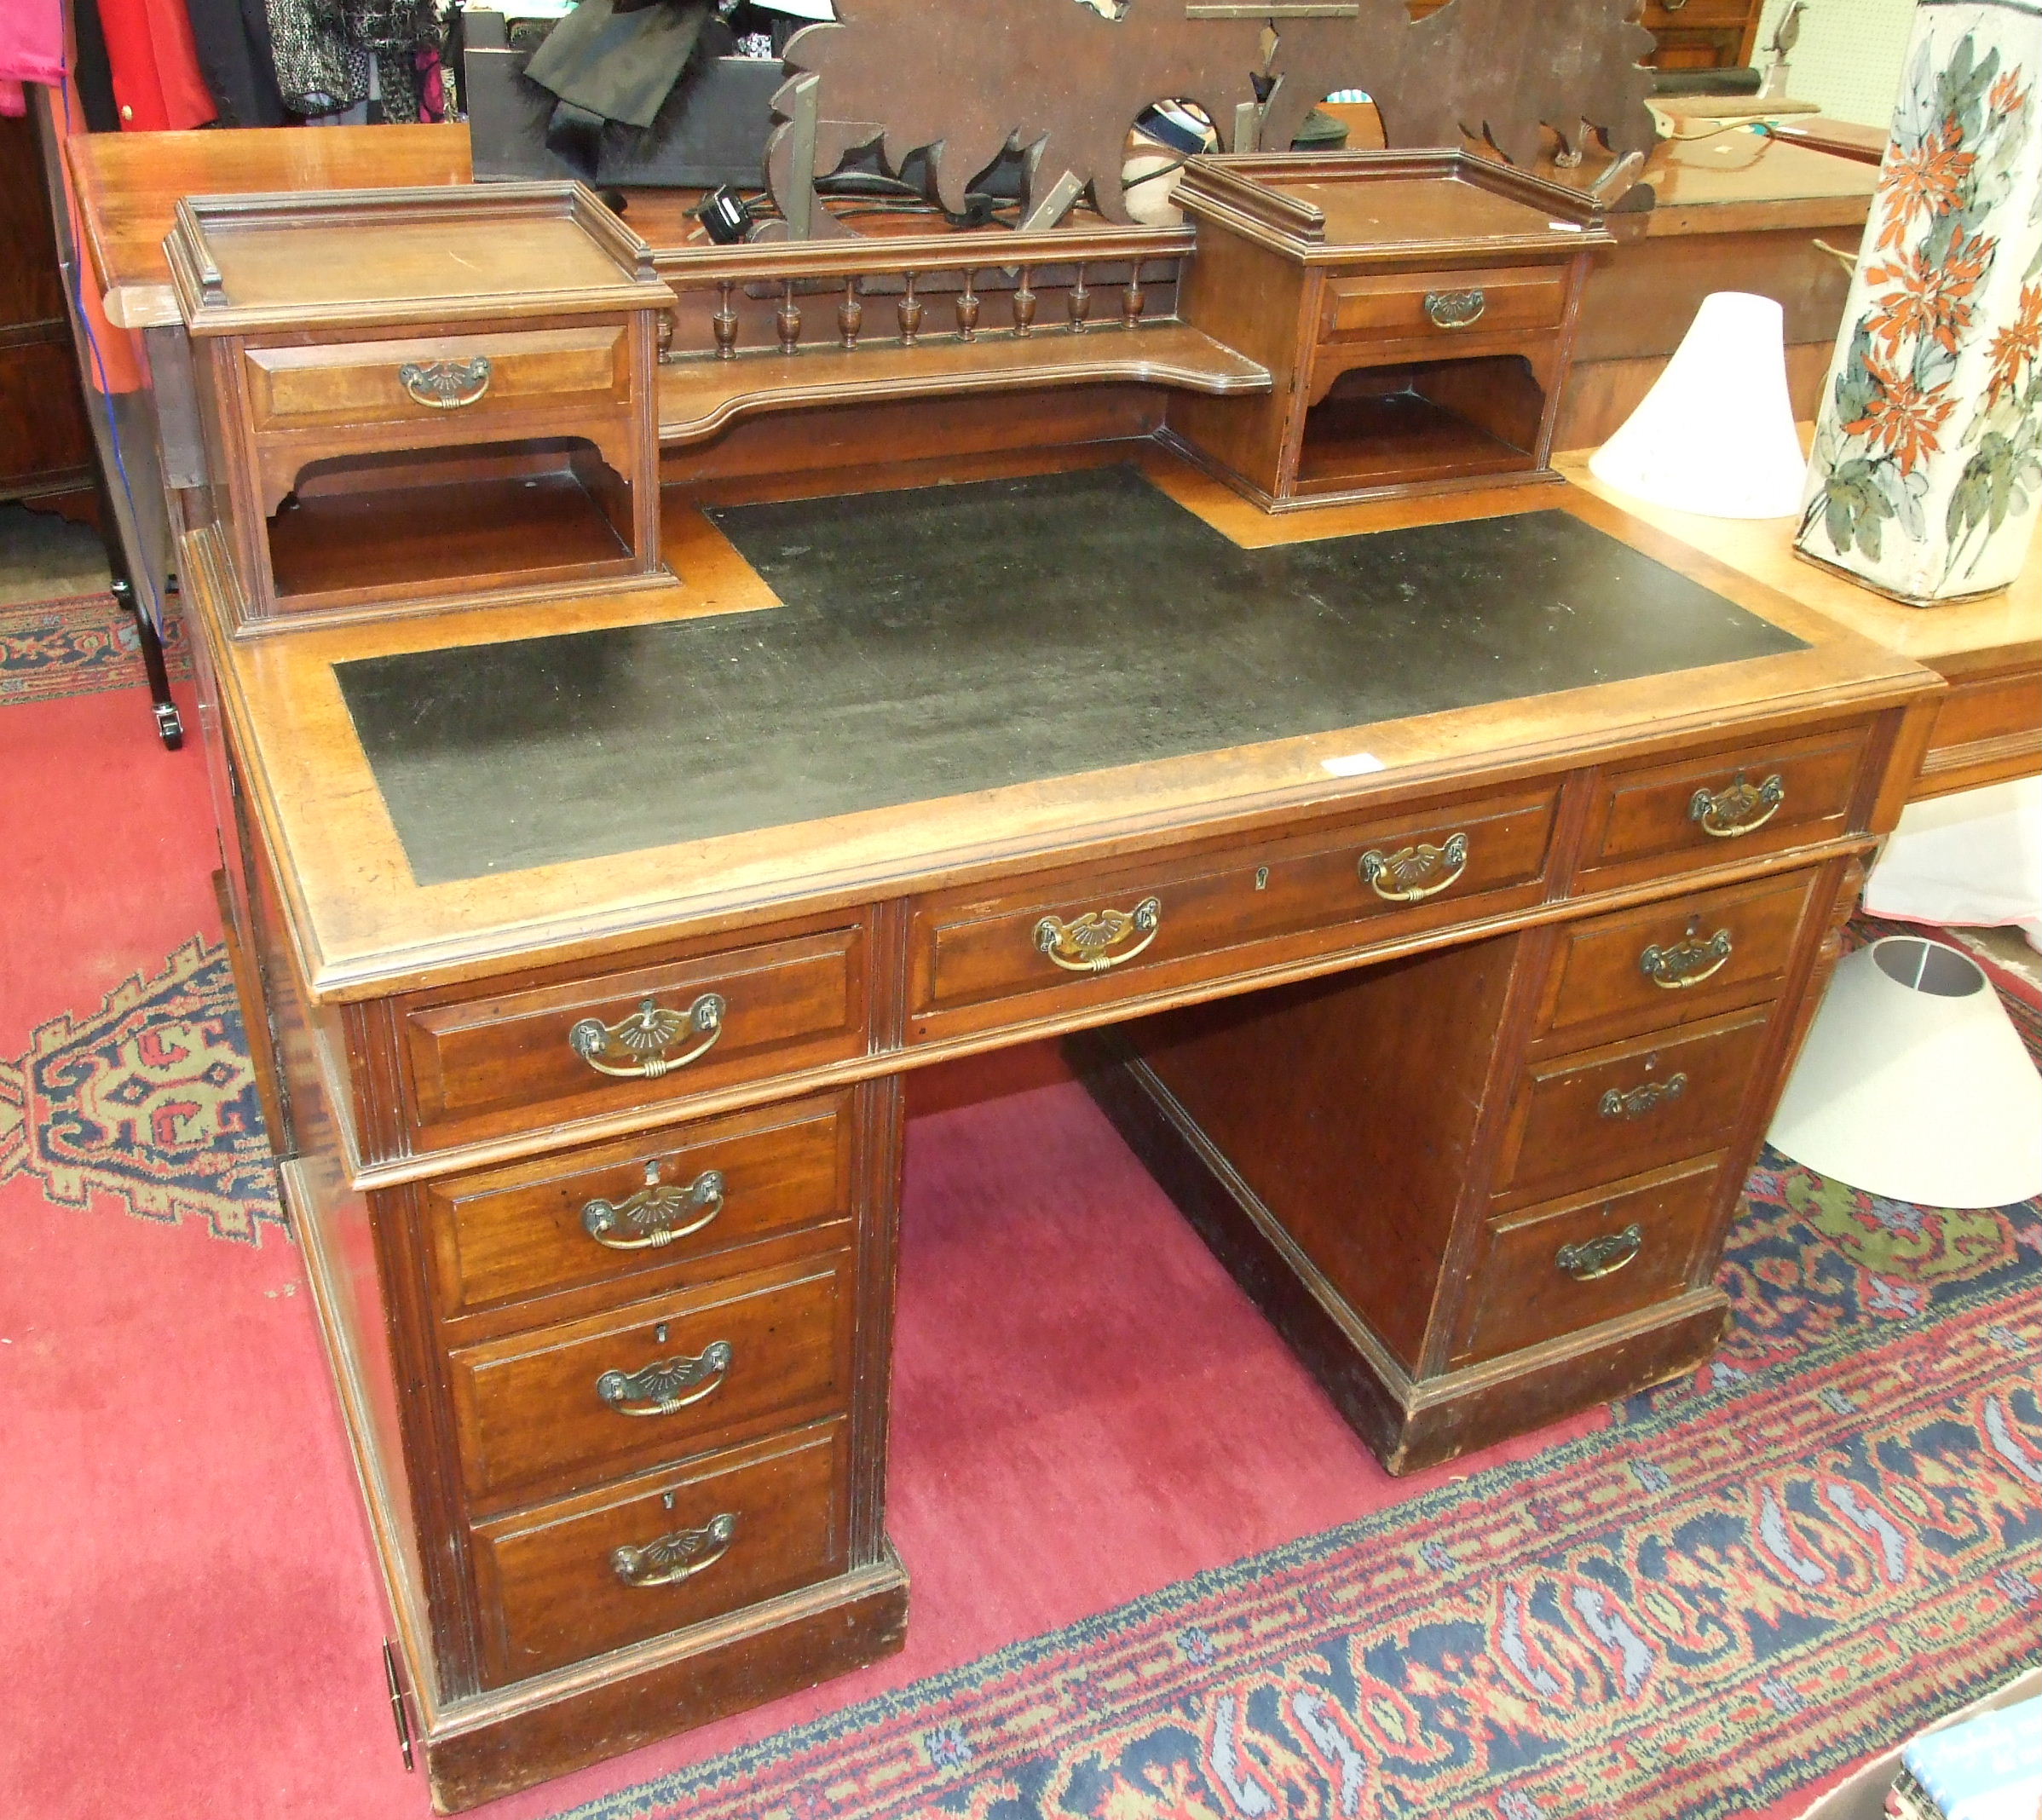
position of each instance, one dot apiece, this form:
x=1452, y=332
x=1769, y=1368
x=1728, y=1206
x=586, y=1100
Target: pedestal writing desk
x=1443, y=906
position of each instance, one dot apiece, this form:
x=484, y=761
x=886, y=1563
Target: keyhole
x=1262, y=878
x=666, y=1498
x=659, y=1334
x=652, y=1174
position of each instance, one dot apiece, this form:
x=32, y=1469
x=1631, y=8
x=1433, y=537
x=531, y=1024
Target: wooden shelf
x=1394, y=438
x=406, y=535
x=700, y=396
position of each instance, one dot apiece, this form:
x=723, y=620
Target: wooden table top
x=129, y=185
x=2008, y=625
x=368, y=925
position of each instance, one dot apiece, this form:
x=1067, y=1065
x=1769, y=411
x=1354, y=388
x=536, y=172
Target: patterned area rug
x=149, y=1100
x=77, y=647
x=1758, y=1575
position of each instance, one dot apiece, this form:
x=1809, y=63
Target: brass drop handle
x=666, y=1385
x=446, y=385
x=635, y=1048
x=1640, y=1101
x=679, y=1555
x=1688, y=961
x=658, y=1214
x=1601, y=1257
x=1413, y=872
x=1083, y=945
x=1739, y=808
x=1454, y=309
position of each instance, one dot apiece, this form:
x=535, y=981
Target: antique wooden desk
x=1435, y=885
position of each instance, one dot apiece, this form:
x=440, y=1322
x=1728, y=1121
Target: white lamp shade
x=1914, y=1084
x=1716, y=433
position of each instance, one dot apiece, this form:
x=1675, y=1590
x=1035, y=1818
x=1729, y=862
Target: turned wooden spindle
x=1133, y=299
x=1078, y=301
x=851, y=314
x=789, y=318
x=967, y=311
x=724, y=322
x=665, y=351
x=1024, y=305
x=911, y=313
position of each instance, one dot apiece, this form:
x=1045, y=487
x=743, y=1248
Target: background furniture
x=1687, y=34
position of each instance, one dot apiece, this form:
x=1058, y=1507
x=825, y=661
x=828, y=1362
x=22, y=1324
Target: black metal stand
x=169, y=722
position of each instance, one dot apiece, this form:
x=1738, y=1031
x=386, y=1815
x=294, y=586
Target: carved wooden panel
x=1062, y=80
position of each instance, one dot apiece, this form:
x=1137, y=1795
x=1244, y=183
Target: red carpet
x=1086, y=1413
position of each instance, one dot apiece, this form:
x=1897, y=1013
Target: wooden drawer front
x=575, y=1579
x=511, y=1062
x=679, y=1197
x=1555, y=1269
x=969, y=953
x=1672, y=962
x=1694, y=14
x=665, y=1379
x=1719, y=810
x=443, y=383
x=1442, y=306
x=1607, y=1112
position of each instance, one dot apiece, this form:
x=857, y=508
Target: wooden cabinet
x=1415, y=308
x=1690, y=34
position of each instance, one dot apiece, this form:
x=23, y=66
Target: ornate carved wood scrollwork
x=1061, y=81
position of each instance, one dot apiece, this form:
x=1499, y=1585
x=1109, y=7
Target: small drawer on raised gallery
x=1674, y=962
x=1716, y=809
x=1062, y=933
x=679, y=1196
x=1581, y=1119
x=1554, y=1269
x=437, y=381
x=1436, y=306
x=592, y=1573
x=666, y=1377
x=522, y=1058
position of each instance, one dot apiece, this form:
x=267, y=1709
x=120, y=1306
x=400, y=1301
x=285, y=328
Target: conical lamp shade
x=1914, y=1084
x=1716, y=433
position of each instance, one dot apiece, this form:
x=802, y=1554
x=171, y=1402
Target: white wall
x=1848, y=59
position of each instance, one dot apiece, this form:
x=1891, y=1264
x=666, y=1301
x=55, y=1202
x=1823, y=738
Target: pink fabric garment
x=31, y=45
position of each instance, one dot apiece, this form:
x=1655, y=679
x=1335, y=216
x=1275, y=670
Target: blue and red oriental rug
x=1154, y=1577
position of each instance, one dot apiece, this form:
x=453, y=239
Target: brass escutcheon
x=646, y=1035
x=658, y=1214
x=1739, y=807
x=1454, y=309
x=666, y=1385
x=1601, y=1257
x=1640, y=1101
x=446, y=385
x=676, y=1556
x=1688, y=961
x=1081, y=945
x=1413, y=872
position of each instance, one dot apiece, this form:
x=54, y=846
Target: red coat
x=156, y=79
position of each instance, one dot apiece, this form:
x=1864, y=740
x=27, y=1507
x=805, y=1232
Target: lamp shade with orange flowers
x=1926, y=473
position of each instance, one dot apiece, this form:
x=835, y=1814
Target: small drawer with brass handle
x=1076, y=938
x=1663, y=963
x=668, y=1198
x=482, y=1064
x=1099, y=939
x=1425, y=306
x=1647, y=820
x=666, y=1377
x=346, y=384
x=1578, y=1120
x=572, y=1579
x=1554, y=1268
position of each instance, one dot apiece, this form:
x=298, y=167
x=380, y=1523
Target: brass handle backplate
x=667, y=1385
x=635, y=1048
x=1601, y=1257
x=1640, y=1101
x=1454, y=309
x=1083, y=944
x=1688, y=962
x=1739, y=808
x=446, y=385
x=684, y=1553
x=1413, y=872
x=658, y=1214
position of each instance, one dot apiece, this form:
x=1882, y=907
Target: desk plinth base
x=483, y=1745
x=1408, y=1423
